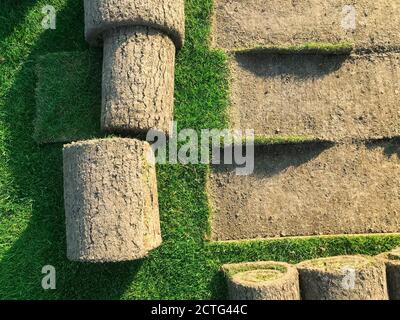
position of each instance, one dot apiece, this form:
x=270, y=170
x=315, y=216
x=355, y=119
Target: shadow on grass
x=37, y=178
x=301, y=66
x=12, y=12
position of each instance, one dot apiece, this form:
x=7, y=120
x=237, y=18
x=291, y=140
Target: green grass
x=339, y=48
x=32, y=232
x=72, y=113
x=228, y=138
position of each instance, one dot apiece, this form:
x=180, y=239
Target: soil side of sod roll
x=111, y=202
x=262, y=281
x=167, y=16
x=343, y=278
x=138, y=80
x=140, y=41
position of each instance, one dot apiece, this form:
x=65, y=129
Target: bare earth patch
x=309, y=189
x=323, y=96
x=251, y=23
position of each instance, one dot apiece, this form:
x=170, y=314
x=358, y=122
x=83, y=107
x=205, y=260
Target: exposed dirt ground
x=325, y=96
x=292, y=22
x=309, y=189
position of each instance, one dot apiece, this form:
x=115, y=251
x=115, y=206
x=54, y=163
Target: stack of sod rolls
x=262, y=281
x=343, y=278
x=110, y=186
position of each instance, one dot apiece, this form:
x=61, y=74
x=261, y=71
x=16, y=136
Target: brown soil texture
x=138, y=80
x=111, y=204
x=168, y=16
x=323, y=96
x=309, y=189
x=262, y=281
x=250, y=23
x=343, y=278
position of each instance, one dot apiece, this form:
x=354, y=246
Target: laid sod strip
x=262, y=281
x=68, y=96
x=343, y=278
x=246, y=24
x=341, y=48
x=111, y=200
x=32, y=221
x=326, y=97
x=307, y=189
x=392, y=261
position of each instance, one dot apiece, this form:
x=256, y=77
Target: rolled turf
x=262, y=281
x=343, y=278
x=111, y=201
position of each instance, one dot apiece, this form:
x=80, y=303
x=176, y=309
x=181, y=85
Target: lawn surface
x=32, y=230
x=68, y=106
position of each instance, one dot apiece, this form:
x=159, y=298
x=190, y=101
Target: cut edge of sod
x=298, y=238
x=324, y=48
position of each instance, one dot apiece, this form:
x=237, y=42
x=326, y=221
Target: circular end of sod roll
x=167, y=16
x=111, y=204
x=266, y=280
x=138, y=81
x=392, y=261
x=343, y=278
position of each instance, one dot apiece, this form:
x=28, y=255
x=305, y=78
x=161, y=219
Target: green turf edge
x=324, y=48
x=257, y=140
x=311, y=247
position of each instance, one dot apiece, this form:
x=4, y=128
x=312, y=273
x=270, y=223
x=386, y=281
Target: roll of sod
x=167, y=16
x=392, y=261
x=111, y=204
x=140, y=39
x=138, y=80
x=343, y=278
x=262, y=281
